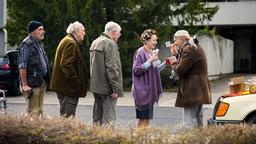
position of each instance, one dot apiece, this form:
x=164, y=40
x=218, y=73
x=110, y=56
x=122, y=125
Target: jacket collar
x=71, y=35
x=30, y=40
x=104, y=34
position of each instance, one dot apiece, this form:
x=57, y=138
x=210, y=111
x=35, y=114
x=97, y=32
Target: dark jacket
x=69, y=74
x=193, y=74
x=34, y=68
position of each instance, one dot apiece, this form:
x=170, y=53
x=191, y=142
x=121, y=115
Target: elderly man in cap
x=190, y=64
x=34, y=67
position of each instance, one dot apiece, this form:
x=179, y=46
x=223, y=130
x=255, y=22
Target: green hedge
x=57, y=130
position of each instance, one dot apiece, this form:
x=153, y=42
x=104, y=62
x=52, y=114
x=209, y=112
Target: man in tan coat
x=69, y=77
x=106, y=74
x=191, y=67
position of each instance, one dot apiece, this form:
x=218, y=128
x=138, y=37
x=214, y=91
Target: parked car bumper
x=6, y=82
x=212, y=121
x=4, y=85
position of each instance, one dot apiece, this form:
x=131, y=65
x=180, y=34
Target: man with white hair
x=190, y=64
x=106, y=74
x=70, y=78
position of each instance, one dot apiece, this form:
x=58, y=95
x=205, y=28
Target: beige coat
x=194, y=83
x=69, y=75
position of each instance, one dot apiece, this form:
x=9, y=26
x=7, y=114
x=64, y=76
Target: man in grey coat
x=106, y=82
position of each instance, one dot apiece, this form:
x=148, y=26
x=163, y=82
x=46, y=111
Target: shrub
x=58, y=130
x=222, y=134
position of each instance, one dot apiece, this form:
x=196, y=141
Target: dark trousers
x=67, y=105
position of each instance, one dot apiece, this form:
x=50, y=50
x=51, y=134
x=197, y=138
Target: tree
x=134, y=16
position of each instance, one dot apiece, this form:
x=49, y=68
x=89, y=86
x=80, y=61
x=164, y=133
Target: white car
x=234, y=109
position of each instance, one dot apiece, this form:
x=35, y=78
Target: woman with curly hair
x=147, y=86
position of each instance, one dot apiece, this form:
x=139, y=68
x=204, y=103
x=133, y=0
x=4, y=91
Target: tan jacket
x=105, y=67
x=194, y=83
x=69, y=75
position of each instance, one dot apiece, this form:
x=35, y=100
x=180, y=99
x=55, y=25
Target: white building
x=236, y=20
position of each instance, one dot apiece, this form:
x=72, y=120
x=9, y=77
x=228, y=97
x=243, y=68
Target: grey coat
x=105, y=67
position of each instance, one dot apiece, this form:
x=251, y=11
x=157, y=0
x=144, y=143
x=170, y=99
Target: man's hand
x=173, y=49
x=114, y=95
x=189, y=37
x=173, y=60
x=27, y=89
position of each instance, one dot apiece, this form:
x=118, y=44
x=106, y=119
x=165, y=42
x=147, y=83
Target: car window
x=4, y=60
x=13, y=57
x=1, y=60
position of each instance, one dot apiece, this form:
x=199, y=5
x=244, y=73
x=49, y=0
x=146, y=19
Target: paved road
x=165, y=114
x=168, y=117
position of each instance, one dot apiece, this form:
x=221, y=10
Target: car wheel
x=252, y=120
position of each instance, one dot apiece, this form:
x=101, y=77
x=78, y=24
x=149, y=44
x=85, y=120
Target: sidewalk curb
x=121, y=105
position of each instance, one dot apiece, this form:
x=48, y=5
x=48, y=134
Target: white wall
x=220, y=54
x=231, y=13
x=234, y=13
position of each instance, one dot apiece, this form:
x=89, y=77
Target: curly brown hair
x=146, y=35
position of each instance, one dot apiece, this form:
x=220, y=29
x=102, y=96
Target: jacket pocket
x=184, y=86
x=34, y=58
x=34, y=79
x=75, y=85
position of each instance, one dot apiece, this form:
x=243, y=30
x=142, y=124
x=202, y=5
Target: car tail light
x=5, y=67
x=222, y=109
